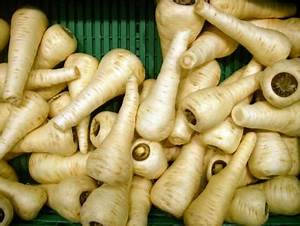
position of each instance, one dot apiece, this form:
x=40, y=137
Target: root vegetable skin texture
x=210, y=45
x=205, y=108
x=3, y=72
x=147, y=86
x=58, y=103
x=109, y=81
x=111, y=162
x=140, y=203
x=50, y=169
x=173, y=18
x=42, y=78
x=29, y=115
x=7, y=211
x=5, y=109
x=101, y=126
x=156, y=114
x=210, y=207
x=149, y=159
x=280, y=83
x=87, y=66
x=172, y=153
x=27, y=28
x=69, y=195
x=248, y=207
x=48, y=93
x=27, y=200
x=4, y=36
x=176, y=188
x=267, y=46
x=293, y=147
x=57, y=44
x=7, y=172
x=250, y=9
x=262, y=115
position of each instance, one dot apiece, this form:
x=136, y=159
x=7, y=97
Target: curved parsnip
x=5, y=109
x=176, y=188
x=87, y=66
x=27, y=28
x=149, y=159
x=248, y=207
x=210, y=45
x=280, y=83
x=6, y=210
x=249, y=9
x=100, y=126
x=58, y=103
x=7, y=172
x=50, y=169
x=283, y=194
x=107, y=205
x=210, y=207
x=262, y=115
x=4, y=34
x=42, y=78
x=27, y=200
x=48, y=139
x=205, y=108
x=109, y=81
x=48, y=93
x=173, y=17
x=293, y=147
x=289, y=27
x=270, y=156
x=267, y=46
x=140, y=203
x=67, y=197
x=29, y=115
x=172, y=153
x=57, y=44
x=156, y=114
x=111, y=162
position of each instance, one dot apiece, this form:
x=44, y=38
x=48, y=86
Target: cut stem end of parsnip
x=2, y=215
x=185, y=2
x=141, y=152
x=94, y=223
x=190, y=117
x=284, y=84
x=218, y=166
x=83, y=197
x=188, y=61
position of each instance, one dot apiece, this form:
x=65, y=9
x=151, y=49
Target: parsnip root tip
x=284, y=84
x=141, y=152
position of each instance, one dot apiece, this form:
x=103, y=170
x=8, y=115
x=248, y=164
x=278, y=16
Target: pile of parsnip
x=197, y=148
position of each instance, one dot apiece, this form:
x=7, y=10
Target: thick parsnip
x=58, y=103
x=293, y=146
x=27, y=28
x=48, y=93
x=109, y=81
x=4, y=34
x=7, y=172
x=57, y=44
x=210, y=207
x=267, y=46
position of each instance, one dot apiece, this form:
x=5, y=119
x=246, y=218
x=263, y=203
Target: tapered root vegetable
x=7, y=172
x=149, y=159
x=27, y=200
x=57, y=44
x=4, y=34
x=205, y=108
x=147, y=86
x=250, y=9
x=176, y=188
x=172, y=153
x=235, y=76
x=23, y=119
x=50, y=169
x=107, y=205
x=48, y=139
x=5, y=109
x=210, y=207
x=267, y=46
x=156, y=114
x=87, y=66
x=270, y=156
x=109, y=81
x=58, y=103
x=101, y=126
x=283, y=194
x=42, y=78
x=280, y=83
x=140, y=203
x=6, y=210
x=111, y=162
x=48, y=93
x=293, y=147
x=27, y=28
x=67, y=197
x=173, y=17
x=248, y=207
x=210, y=45
x=3, y=72
x=262, y=115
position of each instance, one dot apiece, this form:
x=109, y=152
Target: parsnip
x=293, y=147
x=3, y=72
x=57, y=44
x=6, y=210
x=147, y=86
x=58, y=103
x=267, y=46
x=5, y=110
x=48, y=93
x=235, y=76
x=4, y=34
x=216, y=163
x=149, y=159
x=7, y=172
x=172, y=153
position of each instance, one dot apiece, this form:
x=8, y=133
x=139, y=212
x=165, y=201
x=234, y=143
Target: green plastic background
x=99, y=27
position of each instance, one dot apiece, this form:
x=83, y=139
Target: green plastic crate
x=101, y=25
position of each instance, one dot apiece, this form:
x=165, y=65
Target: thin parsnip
x=58, y=103
x=4, y=34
